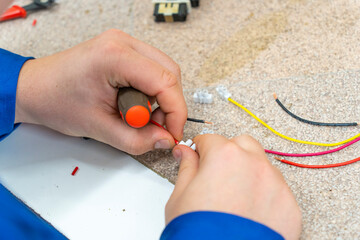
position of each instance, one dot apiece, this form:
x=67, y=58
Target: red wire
x=157, y=124
x=318, y=166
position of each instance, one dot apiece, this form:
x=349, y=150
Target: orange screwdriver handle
x=134, y=107
x=13, y=12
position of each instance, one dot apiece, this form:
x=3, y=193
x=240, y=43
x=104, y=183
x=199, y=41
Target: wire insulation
x=157, y=124
x=290, y=138
x=198, y=120
x=313, y=154
x=312, y=122
x=318, y=166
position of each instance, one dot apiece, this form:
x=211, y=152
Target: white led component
x=188, y=142
x=202, y=96
x=223, y=92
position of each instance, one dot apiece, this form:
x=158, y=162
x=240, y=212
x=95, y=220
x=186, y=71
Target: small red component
x=34, y=22
x=75, y=170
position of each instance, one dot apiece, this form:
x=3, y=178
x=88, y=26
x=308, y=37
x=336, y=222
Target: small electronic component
x=203, y=97
x=173, y=10
x=195, y=3
x=189, y=143
x=223, y=92
x=75, y=171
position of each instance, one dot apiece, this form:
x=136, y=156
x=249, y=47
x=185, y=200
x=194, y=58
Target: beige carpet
x=305, y=51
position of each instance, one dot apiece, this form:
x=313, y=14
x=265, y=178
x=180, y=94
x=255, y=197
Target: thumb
x=189, y=165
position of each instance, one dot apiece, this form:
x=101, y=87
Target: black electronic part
x=195, y=3
x=170, y=12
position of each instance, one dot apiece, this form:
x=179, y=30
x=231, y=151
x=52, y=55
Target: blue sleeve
x=17, y=221
x=10, y=65
x=216, y=225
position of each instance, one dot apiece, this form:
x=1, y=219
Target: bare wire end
x=208, y=122
x=275, y=96
x=279, y=159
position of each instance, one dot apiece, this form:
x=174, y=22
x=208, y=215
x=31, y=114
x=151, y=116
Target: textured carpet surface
x=306, y=51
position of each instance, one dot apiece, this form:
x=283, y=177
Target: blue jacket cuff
x=10, y=66
x=216, y=225
x=17, y=221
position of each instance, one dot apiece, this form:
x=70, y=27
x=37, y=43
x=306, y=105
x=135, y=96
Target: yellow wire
x=289, y=138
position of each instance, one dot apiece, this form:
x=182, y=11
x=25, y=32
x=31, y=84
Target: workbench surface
x=305, y=51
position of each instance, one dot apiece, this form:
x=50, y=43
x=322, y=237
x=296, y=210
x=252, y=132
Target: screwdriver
x=21, y=12
x=134, y=107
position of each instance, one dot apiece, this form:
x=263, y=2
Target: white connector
x=223, y=92
x=188, y=143
x=202, y=96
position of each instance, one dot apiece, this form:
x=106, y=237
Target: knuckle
x=108, y=47
x=134, y=149
x=264, y=170
x=231, y=150
x=169, y=78
x=111, y=47
x=177, y=70
x=114, y=32
x=248, y=139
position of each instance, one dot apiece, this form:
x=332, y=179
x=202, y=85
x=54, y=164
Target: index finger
x=209, y=145
x=152, y=53
x=151, y=78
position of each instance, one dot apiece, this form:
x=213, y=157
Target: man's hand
x=233, y=176
x=75, y=91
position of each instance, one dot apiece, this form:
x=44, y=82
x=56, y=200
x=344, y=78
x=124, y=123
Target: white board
x=112, y=196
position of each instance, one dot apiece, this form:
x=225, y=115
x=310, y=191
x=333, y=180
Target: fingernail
x=177, y=155
x=162, y=144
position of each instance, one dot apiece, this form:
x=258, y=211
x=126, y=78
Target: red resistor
x=75, y=170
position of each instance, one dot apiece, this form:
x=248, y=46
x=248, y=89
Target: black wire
x=312, y=122
x=195, y=120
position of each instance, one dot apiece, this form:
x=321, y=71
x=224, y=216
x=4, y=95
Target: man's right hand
x=75, y=92
x=233, y=176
